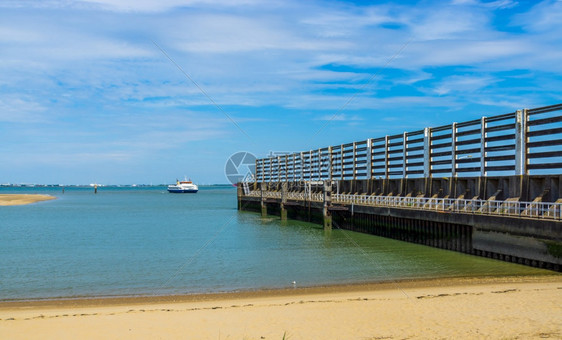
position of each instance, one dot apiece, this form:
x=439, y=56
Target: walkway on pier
x=512, y=208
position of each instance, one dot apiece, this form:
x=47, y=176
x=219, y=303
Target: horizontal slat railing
x=527, y=141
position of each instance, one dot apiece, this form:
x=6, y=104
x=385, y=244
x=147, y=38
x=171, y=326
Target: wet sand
x=496, y=308
x=22, y=199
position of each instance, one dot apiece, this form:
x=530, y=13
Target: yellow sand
x=505, y=308
x=21, y=199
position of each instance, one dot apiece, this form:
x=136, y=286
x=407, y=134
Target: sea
x=144, y=241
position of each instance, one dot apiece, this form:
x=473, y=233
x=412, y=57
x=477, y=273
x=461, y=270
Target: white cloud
x=205, y=33
x=492, y=4
x=467, y=52
x=21, y=109
x=124, y=5
x=165, y=5
x=341, y=117
x=463, y=84
x=543, y=18
x=447, y=23
x=19, y=35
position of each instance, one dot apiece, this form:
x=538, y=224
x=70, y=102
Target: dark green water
x=144, y=241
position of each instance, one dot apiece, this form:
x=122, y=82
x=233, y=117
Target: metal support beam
x=369, y=160
x=302, y=166
x=319, y=164
x=521, y=142
x=310, y=165
x=330, y=163
x=268, y=168
x=295, y=173
x=404, y=154
x=386, y=157
x=286, y=168
x=278, y=169
x=427, y=152
x=341, y=161
x=454, y=150
x=289, y=166
x=354, y=154
x=483, y=146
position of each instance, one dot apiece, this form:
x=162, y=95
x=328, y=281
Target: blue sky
x=86, y=95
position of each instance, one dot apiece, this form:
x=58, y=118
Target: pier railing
x=298, y=196
x=473, y=206
x=527, y=141
x=513, y=208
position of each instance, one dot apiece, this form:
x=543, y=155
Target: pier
x=489, y=187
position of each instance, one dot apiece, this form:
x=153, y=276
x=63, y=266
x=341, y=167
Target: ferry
x=182, y=187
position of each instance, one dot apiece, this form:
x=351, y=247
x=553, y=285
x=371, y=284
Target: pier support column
x=263, y=204
x=239, y=195
x=283, y=201
x=326, y=215
x=263, y=209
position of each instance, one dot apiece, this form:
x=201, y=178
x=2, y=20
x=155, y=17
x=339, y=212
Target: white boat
x=182, y=187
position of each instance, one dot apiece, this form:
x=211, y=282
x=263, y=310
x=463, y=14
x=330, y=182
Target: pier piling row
x=488, y=187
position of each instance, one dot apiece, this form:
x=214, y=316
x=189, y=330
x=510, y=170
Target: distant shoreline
x=23, y=199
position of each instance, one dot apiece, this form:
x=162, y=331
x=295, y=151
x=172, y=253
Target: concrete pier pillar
x=263, y=204
x=482, y=188
x=326, y=215
x=283, y=213
x=239, y=195
x=283, y=201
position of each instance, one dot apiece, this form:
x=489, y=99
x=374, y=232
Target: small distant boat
x=182, y=187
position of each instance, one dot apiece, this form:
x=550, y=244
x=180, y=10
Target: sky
x=141, y=92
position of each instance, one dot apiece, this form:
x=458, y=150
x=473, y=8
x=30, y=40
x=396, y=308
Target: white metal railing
x=272, y=194
x=254, y=193
x=541, y=210
x=317, y=197
x=300, y=196
x=474, y=206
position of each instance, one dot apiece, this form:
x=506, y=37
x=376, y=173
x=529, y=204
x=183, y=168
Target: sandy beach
x=22, y=199
x=494, y=308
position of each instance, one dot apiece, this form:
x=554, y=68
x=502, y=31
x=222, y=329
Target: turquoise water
x=145, y=241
